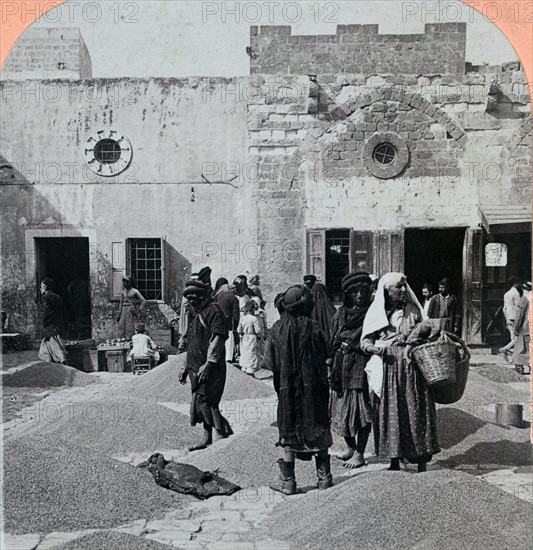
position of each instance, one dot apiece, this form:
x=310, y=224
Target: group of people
x=320, y=375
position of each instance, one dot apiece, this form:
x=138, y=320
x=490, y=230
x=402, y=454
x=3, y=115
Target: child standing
x=250, y=333
x=260, y=313
x=143, y=346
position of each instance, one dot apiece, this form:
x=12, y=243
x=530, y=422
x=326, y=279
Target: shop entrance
x=65, y=260
x=431, y=255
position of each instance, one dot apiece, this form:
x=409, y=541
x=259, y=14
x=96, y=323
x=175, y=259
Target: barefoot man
x=206, y=362
x=350, y=407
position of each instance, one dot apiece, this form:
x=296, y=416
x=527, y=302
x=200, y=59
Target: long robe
x=350, y=406
x=52, y=347
x=296, y=353
x=405, y=421
x=324, y=309
x=204, y=326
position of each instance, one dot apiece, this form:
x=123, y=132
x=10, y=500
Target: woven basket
x=436, y=361
x=445, y=394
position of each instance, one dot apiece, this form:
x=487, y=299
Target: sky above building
x=178, y=38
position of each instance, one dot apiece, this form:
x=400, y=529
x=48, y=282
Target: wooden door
x=388, y=252
x=472, y=286
x=316, y=253
x=362, y=251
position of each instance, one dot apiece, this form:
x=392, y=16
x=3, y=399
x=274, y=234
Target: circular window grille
x=385, y=155
x=108, y=152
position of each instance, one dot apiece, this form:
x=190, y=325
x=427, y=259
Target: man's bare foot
x=206, y=441
x=357, y=461
x=346, y=455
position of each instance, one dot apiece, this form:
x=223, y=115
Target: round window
x=385, y=155
x=108, y=152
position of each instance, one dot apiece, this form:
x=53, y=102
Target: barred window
x=337, y=260
x=146, y=266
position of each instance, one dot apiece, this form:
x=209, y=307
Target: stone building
x=349, y=151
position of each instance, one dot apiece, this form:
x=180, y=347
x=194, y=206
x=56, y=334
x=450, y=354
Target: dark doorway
x=431, y=255
x=337, y=261
x=65, y=260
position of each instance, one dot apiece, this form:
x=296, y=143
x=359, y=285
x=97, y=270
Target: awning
x=506, y=219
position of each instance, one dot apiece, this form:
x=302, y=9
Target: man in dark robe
x=324, y=309
x=350, y=407
x=52, y=347
x=445, y=306
x=206, y=362
x=204, y=276
x=229, y=303
x=296, y=354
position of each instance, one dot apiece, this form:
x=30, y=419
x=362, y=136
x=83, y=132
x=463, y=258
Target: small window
x=61, y=66
x=146, y=266
x=337, y=261
x=384, y=153
x=107, y=151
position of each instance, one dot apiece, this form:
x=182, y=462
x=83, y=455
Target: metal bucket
x=510, y=415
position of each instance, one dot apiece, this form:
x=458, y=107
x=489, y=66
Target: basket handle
x=452, y=338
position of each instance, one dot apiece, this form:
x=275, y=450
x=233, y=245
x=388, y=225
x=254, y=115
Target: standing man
x=445, y=306
x=206, y=362
x=511, y=301
x=52, y=347
x=427, y=292
x=229, y=303
x=324, y=309
x=204, y=275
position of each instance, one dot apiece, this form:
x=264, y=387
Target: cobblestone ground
x=236, y=522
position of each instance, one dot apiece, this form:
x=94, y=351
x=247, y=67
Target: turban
x=196, y=288
x=310, y=278
x=358, y=278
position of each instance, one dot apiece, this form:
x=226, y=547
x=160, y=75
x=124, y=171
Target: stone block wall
x=48, y=53
x=359, y=49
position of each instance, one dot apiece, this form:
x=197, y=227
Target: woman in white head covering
x=405, y=426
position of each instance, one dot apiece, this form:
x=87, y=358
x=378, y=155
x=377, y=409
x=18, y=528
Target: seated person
x=143, y=346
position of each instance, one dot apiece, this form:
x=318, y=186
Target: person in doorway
x=143, y=346
x=250, y=334
x=296, y=354
x=521, y=333
x=206, y=363
x=324, y=309
x=204, y=276
x=405, y=416
x=446, y=307
x=511, y=299
x=229, y=303
x=52, y=348
x=131, y=303
x=427, y=293
x=350, y=407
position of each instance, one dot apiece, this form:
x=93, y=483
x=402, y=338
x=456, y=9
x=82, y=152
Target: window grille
x=146, y=266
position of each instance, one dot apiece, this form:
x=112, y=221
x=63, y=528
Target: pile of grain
x=112, y=541
x=44, y=375
x=55, y=486
x=162, y=384
x=397, y=510
x=118, y=427
x=497, y=373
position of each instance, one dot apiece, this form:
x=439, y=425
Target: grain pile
x=44, y=375
x=119, y=427
x=162, y=384
x=497, y=373
x=397, y=510
x=112, y=541
x=55, y=486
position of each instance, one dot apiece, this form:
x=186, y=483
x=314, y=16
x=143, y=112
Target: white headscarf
x=376, y=317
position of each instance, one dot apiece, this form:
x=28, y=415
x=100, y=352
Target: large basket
x=436, y=361
x=446, y=394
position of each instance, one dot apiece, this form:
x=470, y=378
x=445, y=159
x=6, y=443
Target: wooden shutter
x=118, y=268
x=472, y=286
x=361, y=251
x=316, y=253
x=388, y=252
x=163, y=269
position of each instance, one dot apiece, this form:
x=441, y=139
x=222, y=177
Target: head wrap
x=220, y=283
x=310, y=278
x=358, y=278
x=279, y=302
x=444, y=282
x=139, y=327
x=298, y=300
x=196, y=288
x=48, y=283
x=204, y=273
x=376, y=317
x=127, y=279
x=254, y=280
